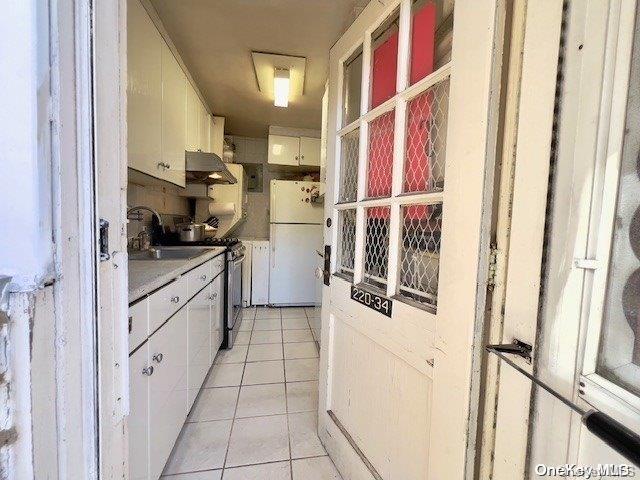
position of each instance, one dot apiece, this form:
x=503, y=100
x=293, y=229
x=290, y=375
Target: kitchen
x=224, y=234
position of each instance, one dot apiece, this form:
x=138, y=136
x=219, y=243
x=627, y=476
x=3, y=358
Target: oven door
x=234, y=293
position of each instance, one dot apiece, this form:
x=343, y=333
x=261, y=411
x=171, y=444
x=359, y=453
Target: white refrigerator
x=295, y=239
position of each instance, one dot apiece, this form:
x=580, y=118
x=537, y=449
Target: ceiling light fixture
x=281, y=87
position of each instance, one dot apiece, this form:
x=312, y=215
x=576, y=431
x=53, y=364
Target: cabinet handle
x=157, y=358
x=203, y=278
x=213, y=297
x=302, y=157
x=175, y=299
x=148, y=371
x=297, y=157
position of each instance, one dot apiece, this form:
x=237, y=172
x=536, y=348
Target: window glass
x=376, y=246
x=352, y=85
x=380, y=166
x=347, y=243
x=431, y=35
x=384, y=59
x=349, y=166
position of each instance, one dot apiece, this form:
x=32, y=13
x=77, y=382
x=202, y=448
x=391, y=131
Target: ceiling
x=215, y=39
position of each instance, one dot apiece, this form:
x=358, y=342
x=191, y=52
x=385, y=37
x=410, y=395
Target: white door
x=409, y=180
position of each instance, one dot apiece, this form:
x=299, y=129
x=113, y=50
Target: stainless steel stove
x=233, y=286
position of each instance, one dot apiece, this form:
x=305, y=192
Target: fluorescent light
x=215, y=176
x=281, y=85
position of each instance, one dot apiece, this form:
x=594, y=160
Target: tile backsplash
x=164, y=199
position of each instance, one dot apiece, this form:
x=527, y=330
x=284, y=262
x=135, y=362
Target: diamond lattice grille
x=380, y=155
x=376, y=245
x=349, y=166
x=426, y=140
x=420, y=252
x=346, y=254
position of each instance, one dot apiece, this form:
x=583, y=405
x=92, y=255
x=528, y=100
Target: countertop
x=145, y=276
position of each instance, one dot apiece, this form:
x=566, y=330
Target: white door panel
x=260, y=273
x=139, y=414
x=217, y=316
x=199, y=341
x=291, y=202
x=173, y=117
x=293, y=256
x=283, y=150
x=310, y=151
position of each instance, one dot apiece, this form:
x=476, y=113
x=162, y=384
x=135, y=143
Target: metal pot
x=191, y=232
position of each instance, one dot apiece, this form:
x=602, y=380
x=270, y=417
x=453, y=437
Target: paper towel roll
x=218, y=209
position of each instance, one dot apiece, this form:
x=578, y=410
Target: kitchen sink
x=168, y=253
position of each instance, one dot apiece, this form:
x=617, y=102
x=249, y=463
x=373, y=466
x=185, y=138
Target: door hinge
x=493, y=270
x=104, y=241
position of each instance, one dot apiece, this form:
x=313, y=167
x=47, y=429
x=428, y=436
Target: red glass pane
x=380, y=155
x=423, y=32
x=385, y=62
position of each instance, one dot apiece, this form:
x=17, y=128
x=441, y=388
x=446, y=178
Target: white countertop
x=145, y=276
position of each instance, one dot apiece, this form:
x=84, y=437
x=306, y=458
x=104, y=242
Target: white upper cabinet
x=294, y=151
x=203, y=126
x=284, y=150
x=173, y=117
x=310, y=151
x=216, y=135
x=144, y=91
x=193, y=119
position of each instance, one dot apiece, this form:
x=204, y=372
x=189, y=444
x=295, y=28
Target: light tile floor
x=256, y=416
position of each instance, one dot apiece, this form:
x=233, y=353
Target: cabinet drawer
x=217, y=265
x=138, y=323
x=166, y=301
x=198, y=278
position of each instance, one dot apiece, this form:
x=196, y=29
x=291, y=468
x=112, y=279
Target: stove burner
x=221, y=242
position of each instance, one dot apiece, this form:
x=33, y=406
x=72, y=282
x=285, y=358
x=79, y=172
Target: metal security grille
x=376, y=255
x=420, y=252
x=426, y=140
x=380, y=168
x=349, y=167
x=346, y=253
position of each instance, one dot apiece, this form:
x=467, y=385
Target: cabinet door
x=193, y=118
x=216, y=135
x=203, y=126
x=260, y=273
x=217, y=315
x=199, y=311
x=173, y=117
x=144, y=91
x=167, y=389
x=283, y=150
x=310, y=151
x=139, y=372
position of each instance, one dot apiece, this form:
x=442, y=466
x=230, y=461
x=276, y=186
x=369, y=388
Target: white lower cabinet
x=168, y=368
x=217, y=316
x=167, y=389
x=199, y=311
x=139, y=370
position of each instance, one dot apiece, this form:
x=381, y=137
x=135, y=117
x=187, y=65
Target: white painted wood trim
x=537, y=99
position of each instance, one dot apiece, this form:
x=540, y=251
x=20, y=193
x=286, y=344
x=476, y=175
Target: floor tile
x=319, y=468
x=291, y=336
x=266, y=312
x=225, y=375
x=295, y=324
x=302, y=396
x=258, y=440
x=242, y=338
x=266, y=471
x=246, y=326
x=292, y=312
x=300, y=350
x=201, y=446
x=267, y=324
x=266, y=336
x=313, y=311
x=301, y=369
x=303, y=435
x=263, y=372
x=249, y=312
x=256, y=400
x=214, y=404
x=269, y=351
x=237, y=354
x=208, y=475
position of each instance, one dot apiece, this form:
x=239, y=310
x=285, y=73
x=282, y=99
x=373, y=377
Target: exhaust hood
x=208, y=168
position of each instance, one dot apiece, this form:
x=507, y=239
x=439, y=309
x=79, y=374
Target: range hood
x=200, y=166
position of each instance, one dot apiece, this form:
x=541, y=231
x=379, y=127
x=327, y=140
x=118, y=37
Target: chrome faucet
x=142, y=207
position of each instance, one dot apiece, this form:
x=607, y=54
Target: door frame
x=481, y=25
